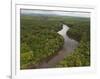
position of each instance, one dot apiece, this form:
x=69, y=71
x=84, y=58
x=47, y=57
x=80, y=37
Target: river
x=68, y=47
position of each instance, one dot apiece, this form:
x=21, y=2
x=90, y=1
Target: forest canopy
x=40, y=40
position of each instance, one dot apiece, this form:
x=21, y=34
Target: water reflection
x=68, y=47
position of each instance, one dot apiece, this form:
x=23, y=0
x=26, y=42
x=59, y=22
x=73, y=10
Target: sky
x=60, y=13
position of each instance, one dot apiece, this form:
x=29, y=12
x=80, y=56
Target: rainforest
x=41, y=45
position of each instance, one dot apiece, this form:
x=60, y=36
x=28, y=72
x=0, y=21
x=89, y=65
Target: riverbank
x=68, y=47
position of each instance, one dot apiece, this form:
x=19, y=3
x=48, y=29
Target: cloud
x=60, y=13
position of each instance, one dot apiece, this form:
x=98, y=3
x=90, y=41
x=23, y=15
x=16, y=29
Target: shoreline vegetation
x=80, y=31
x=40, y=41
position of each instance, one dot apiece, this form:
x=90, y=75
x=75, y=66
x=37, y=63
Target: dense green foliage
x=39, y=40
x=80, y=31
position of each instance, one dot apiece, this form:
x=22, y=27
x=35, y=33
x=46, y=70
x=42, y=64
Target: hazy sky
x=61, y=13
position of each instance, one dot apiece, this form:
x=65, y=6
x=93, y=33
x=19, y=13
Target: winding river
x=68, y=47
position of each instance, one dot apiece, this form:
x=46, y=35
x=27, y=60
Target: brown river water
x=68, y=47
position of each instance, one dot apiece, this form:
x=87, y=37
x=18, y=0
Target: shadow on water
x=68, y=47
